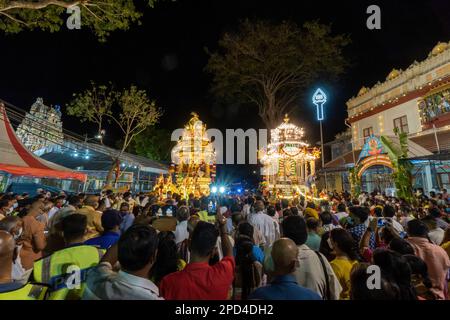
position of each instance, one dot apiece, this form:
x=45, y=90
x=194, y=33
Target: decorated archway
x=376, y=160
x=374, y=168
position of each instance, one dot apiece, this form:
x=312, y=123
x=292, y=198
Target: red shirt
x=199, y=281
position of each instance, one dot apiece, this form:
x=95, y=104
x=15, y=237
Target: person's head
x=124, y=207
x=388, y=211
x=271, y=211
x=127, y=196
x=359, y=290
x=195, y=203
x=74, y=228
x=326, y=218
x=397, y=270
x=13, y=225
x=259, y=205
x=182, y=213
x=5, y=205
x=111, y=220
x=430, y=221
x=294, y=211
x=203, y=241
x=137, y=249
x=284, y=256
x=343, y=243
x=387, y=233
x=7, y=248
x=236, y=218
x=192, y=223
x=359, y=214
x=246, y=229
x=401, y=246
x=166, y=258
x=294, y=228
x=434, y=212
x=59, y=201
x=378, y=211
x=417, y=228
x=312, y=224
x=419, y=271
x=75, y=201
x=287, y=212
x=36, y=208
x=91, y=201
x=278, y=206
x=341, y=207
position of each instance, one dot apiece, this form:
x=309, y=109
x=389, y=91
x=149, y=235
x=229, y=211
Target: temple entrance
x=377, y=178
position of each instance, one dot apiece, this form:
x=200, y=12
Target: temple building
x=288, y=162
x=415, y=101
x=41, y=127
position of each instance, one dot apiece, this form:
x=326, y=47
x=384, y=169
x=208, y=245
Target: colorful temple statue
x=194, y=160
x=288, y=162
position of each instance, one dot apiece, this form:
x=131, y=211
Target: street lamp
x=319, y=99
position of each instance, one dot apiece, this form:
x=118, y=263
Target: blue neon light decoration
x=319, y=99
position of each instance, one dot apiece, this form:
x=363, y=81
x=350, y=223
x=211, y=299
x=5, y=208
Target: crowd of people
x=240, y=247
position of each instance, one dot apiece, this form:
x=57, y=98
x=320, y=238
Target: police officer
x=65, y=270
x=10, y=289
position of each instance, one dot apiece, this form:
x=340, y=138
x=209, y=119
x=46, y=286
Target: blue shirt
x=257, y=253
x=313, y=241
x=358, y=231
x=105, y=241
x=284, y=288
x=128, y=219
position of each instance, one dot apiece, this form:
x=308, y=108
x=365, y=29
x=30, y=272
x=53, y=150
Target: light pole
x=319, y=99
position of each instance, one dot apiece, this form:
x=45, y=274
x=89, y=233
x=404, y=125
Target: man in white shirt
x=58, y=203
x=341, y=212
x=435, y=233
x=313, y=269
x=264, y=223
x=389, y=215
x=131, y=282
x=181, y=231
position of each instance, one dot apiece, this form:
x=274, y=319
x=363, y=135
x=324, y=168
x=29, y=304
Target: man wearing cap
x=111, y=220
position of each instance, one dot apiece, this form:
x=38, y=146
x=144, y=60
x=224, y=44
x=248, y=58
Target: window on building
x=367, y=132
x=401, y=124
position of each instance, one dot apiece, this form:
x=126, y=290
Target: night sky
x=166, y=56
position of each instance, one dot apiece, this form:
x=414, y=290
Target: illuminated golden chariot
x=288, y=162
x=193, y=161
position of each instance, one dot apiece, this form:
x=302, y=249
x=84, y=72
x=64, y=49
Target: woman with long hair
x=346, y=252
x=419, y=277
x=248, y=272
x=167, y=260
x=397, y=270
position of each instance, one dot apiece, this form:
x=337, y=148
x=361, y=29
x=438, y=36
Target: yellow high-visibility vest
x=65, y=271
x=203, y=215
x=28, y=291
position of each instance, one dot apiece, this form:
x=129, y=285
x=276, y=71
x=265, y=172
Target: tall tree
x=101, y=16
x=270, y=65
x=137, y=113
x=153, y=143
